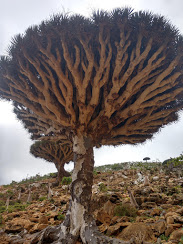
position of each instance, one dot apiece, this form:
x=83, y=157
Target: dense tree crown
x=39, y=127
x=57, y=152
x=116, y=77
x=54, y=152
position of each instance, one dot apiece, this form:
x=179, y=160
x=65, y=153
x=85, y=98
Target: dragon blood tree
x=111, y=79
x=38, y=127
x=57, y=152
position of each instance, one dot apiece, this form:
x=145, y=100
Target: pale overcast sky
x=16, y=15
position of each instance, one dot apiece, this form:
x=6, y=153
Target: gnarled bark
x=79, y=221
x=115, y=78
x=61, y=172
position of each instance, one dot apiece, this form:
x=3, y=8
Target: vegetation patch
x=125, y=210
x=66, y=180
x=103, y=187
x=42, y=198
x=17, y=207
x=163, y=237
x=2, y=203
x=60, y=216
x=2, y=209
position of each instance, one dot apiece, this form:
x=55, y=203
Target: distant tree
x=165, y=162
x=111, y=79
x=146, y=158
x=57, y=152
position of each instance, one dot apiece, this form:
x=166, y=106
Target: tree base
x=88, y=235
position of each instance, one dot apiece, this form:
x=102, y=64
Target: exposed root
x=48, y=235
x=91, y=235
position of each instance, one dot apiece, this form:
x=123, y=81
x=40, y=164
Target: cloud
x=172, y=10
x=18, y=15
x=15, y=160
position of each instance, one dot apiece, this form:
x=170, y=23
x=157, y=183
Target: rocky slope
x=142, y=203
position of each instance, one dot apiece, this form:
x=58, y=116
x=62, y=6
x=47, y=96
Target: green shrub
x=42, y=198
x=66, y=180
x=95, y=172
x=125, y=210
x=163, y=237
x=17, y=207
x=52, y=175
x=117, y=167
x=9, y=193
x=102, y=187
x=2, y=209
x=13, y=183
x=13, y=208
x=2, y=203
x=60, y=216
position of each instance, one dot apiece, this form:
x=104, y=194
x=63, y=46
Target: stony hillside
x=141, y=202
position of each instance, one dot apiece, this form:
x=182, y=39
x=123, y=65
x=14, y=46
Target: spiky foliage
x=52, y=151
x=38, y=127
x=115, y=76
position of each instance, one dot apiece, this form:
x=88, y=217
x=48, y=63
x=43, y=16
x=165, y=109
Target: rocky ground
x=143, y=202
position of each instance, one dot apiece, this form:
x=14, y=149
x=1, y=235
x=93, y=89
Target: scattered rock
x=170, y=220
x=159, y=226
x=109, y=207
x=155, y=178
x=139, y=232
x=43, y=220
x=159, y=207
x=155, y=211
x=115, y=229
x=169, y=230
x=103, y=217
x=148, y=205
x=176, y=235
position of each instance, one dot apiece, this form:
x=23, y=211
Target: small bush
x=2, y=203
x=163, y=237
x=9, y=193
x=60, y=216
x=103, y=187
x=125, y=210
x=42, y=198
x=1, y=194
x=66, y=180
x=2, y=209
x=52, y=175
x=13, y=183
x=13, y=208
x=95, y=172
x=17, y=207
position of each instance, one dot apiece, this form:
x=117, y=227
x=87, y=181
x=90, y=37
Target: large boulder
x=139, y=232
x=159, y=226
x=176, y=236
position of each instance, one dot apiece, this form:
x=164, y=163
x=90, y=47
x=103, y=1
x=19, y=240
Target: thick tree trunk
x=61, y=172
x=79, y=221
x=81, y=190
